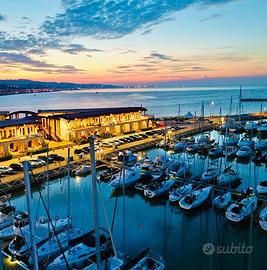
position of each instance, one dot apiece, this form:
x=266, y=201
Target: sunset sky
x=132, y=41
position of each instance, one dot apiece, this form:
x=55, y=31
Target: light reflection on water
x=177, y=235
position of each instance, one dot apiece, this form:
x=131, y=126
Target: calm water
x=177, y=235
x=160, y=102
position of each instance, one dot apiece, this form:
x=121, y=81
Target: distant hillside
x=9, y=87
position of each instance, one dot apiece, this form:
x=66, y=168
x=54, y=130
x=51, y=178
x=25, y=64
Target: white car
x=5, y=170
x=34, y=163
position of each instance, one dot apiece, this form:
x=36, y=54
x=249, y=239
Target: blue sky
x=133, y=41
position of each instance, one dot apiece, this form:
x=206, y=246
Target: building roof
x=85, y=113
x=19, y=122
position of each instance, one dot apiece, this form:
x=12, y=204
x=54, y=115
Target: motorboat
x=245, y=141
x=51, y=249
x=222, y=201
x=259, y=156
x=82, y=170
x=158, y=166
x=107, y=174
x=261, y=145
x=195, y=198
x=179, y=169
x=239, y=211
x=262, y=128
x=251, y=126
x=130, y=157
x=263, y=219
x=21, y=219
x=132, y=175
x=244, y=152
x=147, y=259
x=232, y=140
x=262, y=187
x=146, y=179
x=6, y=215
x=178, y=193
x=192, y=148
x=215, y=151
x=180, y=146
x=20, y=245
x=80, y=250
x=211, y=174
x=227, y=177
x=230, y=151
x=157, y=189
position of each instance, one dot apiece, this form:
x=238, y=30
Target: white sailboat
x=263, y=219
x=20, y=246
x=132, y=176
x=244, y=152
x=195, y=198
x=222, y=201
x=178, y=193
x=211, y=173
x=227, y=177
x=238, y=211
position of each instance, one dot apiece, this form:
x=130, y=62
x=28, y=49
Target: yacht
x=179, y=169
x=132, y=175
x=239, y=211
x=222, y=201
x=211, y=174
x=51, y=249
x=82, y=170
x=80, y=250
x=245, y=141
x=263, y=219
x=262, y=128
x=157, y=189
x=20, y=246
x=227, y=177
x=262, y=187
x=178, y=193
x=195, y=198
x=244, y=152
x=261, y=145
x=251, y=126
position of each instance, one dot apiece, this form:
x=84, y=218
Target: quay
x=11, y=183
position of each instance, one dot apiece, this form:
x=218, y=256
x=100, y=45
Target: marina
x=207, y=183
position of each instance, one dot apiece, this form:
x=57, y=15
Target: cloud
x=214, y=16
x=113, y=18
x=2, y=17
x=29, y=64
x=156, y=56
x=78, y=48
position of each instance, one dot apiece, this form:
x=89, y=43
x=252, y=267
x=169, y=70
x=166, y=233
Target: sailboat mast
x=231, y=102
x=123, y=207
x=240, y=97
x=47, y=184
x=95, y=201
x=69, y=222
x=29, y=208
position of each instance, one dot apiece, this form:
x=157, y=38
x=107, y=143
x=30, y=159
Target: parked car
x=106, y=144
x=46, y=158
x=78, y=151
x=34, y=163
x=4, y=170
x=56, y=157
x=16, y=167
x=86, y=150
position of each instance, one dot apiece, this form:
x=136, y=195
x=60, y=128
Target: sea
x=159, y=101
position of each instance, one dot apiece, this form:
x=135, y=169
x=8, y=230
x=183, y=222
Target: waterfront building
x=78, y=124
x=20, y=133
